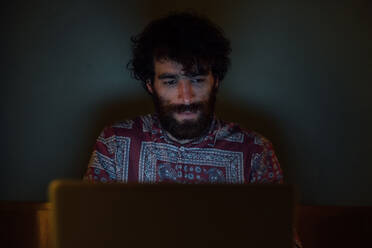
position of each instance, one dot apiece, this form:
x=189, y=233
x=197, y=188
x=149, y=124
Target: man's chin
x=188, y=128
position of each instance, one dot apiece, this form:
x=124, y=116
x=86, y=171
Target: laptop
x=171, y=215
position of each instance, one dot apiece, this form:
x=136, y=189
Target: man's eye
x=170, y=82
x=198, y=80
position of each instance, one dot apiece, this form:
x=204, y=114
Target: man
x=181, y=60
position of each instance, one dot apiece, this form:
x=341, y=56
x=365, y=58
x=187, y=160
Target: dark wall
x=301, y=76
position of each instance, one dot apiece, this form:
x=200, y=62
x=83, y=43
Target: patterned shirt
x=140, y=151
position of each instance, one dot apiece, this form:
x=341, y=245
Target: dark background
x=301, y=76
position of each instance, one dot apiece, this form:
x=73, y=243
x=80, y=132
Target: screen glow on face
x=184, y=101
x=171, y=80
x=176, y=86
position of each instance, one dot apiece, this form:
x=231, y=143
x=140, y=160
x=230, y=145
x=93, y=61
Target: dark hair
x=184, y=37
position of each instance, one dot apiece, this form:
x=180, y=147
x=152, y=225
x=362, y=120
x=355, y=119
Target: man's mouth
x=186, y=115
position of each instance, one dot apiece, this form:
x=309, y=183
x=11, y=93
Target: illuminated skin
x=175, y=88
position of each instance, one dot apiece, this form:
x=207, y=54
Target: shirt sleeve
x=265, y=167
x=102, y=165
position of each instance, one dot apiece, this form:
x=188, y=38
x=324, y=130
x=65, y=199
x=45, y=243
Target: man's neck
x=183, y=141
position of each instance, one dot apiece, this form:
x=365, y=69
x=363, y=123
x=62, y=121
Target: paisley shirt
x=140, y=151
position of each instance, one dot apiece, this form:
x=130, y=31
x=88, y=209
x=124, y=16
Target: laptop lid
x=171, y=215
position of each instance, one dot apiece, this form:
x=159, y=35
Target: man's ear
x=149, y=86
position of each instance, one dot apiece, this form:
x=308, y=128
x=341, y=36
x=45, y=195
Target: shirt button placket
x=180, y=152
x=181, y=149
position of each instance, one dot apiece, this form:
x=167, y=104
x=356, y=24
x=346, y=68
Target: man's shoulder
x=129, y=127
x=234, y=132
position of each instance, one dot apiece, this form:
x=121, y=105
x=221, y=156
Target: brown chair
x=25, y=224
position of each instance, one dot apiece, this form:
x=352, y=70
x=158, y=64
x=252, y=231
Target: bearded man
x=181, y=60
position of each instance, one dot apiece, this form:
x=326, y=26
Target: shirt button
x=182, y=149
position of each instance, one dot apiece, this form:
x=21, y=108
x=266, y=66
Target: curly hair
x=187, y=38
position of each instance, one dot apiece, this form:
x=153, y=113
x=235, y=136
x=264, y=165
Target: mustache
x=179, y=108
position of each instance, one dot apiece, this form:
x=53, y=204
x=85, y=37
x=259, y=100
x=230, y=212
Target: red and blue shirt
x=140, y=151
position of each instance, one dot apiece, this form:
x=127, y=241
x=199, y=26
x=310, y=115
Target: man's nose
x=185, y=91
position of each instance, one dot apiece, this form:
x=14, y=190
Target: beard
x=187, y=129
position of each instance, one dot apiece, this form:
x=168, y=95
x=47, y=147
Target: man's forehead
x=166, y=65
